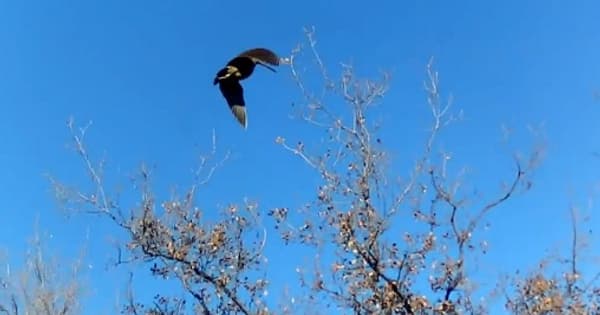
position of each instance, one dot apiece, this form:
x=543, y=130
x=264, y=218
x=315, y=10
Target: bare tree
x=385, y=244
x=215, y=262
x=559, y=290
x=41, y=287
x=359, y=213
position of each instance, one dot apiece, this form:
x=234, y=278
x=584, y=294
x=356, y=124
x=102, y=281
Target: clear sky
x=142, y=72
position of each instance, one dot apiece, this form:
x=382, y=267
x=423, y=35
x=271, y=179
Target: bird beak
x=267, y=66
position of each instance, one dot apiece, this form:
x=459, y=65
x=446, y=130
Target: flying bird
x=240, y=68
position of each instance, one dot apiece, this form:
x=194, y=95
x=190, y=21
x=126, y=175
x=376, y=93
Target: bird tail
x=240, y=114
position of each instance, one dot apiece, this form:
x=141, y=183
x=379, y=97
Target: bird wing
x=261, y=55
x=234, y=95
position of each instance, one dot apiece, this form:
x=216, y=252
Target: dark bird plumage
x=240, y=68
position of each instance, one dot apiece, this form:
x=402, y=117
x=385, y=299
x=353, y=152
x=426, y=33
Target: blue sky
x=142, y=72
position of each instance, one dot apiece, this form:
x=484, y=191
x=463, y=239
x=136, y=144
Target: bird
x=240, y=68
